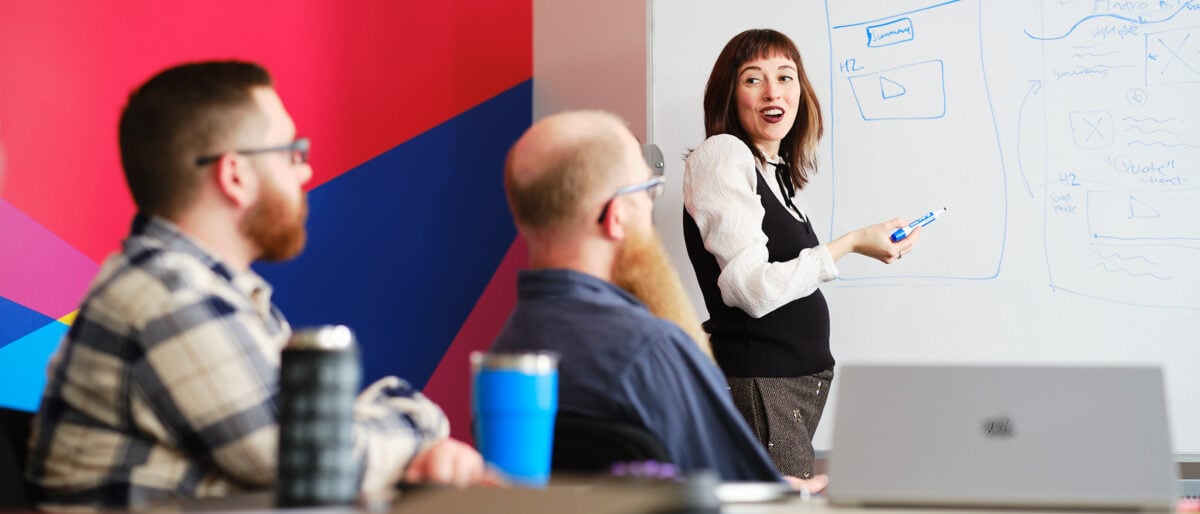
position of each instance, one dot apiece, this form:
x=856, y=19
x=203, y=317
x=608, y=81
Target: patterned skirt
x=783, y=412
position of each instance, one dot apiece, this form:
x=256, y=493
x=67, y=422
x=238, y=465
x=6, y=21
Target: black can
x=319, y=376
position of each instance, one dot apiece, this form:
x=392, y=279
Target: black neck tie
x=788, y=189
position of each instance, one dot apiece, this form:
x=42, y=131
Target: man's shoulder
x=590, y=312
x=137, y=285
x=613, y=333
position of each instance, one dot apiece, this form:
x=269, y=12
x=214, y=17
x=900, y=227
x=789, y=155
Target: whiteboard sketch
x=1120, y=202
x=894, y=78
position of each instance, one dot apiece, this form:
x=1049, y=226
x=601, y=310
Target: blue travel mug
x=514, y=399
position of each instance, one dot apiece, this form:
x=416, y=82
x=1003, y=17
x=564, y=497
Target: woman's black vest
x=790, y=341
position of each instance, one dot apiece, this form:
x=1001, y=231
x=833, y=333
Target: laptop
x=1002, y=436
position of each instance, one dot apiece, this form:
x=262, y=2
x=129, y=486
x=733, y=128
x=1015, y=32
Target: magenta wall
x=410, y=106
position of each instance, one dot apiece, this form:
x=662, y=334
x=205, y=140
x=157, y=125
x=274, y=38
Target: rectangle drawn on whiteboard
x=890, y=33
x=914, y=91
x=1140, y=216
x=1173, y=57
x=912, y=126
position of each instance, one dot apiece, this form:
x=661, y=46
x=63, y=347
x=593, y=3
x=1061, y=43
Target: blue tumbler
x=514, y=399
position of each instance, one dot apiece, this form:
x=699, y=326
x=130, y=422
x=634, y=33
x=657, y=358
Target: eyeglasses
x=653, y=187
x=298, y=150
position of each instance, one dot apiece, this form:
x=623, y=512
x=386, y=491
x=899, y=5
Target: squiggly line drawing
x=1156, y=120
x=1119, y=256
x=1095, y=69
x=1093, y=54
x=1144, y=131
x=1141, y=20
x=1160, y=143
x=1132, y=274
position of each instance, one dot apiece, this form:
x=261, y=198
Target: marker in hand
x=903, y=232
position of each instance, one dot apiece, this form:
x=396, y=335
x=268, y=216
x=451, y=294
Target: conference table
x=553, y=500
x=604, y=497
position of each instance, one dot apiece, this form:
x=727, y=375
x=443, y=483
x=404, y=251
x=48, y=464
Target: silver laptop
x=1001, y=436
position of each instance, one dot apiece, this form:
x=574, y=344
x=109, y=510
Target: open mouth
x=772, y=114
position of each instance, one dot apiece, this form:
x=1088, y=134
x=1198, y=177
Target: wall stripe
x=449, y=385
x=411, y=107
x=401, y=248
x=38, y=269
x=23, y=366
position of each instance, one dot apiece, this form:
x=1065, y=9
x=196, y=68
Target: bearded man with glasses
x=602, y=294
x=165, y=386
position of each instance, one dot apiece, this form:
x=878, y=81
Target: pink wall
x=360, y=78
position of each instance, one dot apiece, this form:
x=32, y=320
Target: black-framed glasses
x=653, y=187
x=298, y=150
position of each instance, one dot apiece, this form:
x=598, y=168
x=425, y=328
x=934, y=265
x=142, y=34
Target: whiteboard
x=1063, y=135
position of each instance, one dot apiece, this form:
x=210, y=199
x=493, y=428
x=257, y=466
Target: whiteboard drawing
x=913, y=91
x=1120, y=193
x=903, y=117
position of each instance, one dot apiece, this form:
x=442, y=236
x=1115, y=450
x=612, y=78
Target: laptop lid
x=1001, y=436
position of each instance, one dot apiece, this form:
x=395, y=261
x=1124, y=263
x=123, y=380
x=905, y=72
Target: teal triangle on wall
x=23, y=366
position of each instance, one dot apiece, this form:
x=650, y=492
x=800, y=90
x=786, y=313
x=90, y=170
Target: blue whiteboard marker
x=903, y=232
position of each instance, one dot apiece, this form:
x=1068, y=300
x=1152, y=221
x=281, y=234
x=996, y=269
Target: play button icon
x=890, y=88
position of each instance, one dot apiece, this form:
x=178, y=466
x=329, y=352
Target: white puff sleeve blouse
x=719, y=192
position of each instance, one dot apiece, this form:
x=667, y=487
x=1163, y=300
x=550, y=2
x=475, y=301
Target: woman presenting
x=756, y=256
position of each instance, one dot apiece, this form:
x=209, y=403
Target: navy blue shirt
x=622, y=363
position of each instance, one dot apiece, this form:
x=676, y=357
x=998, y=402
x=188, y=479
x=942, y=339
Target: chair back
x=15, y=426
x=587, y=444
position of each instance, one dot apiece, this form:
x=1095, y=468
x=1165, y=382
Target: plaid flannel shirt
x=166, y=384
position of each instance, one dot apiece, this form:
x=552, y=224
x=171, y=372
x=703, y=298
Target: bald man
x=600, y=291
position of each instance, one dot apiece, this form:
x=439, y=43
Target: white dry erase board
x=1063, y=135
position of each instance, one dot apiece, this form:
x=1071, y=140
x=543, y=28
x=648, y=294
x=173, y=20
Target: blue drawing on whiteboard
x=911, y=92
x=1155, y=120
x=889, y=17
x=1149, y=131
x=1141, y=209
x=1081, y=54
x=1121, y=231
x=1136, y=266
x=1111, y=123
x=889, y=88
x=1120, y=215
x=1130, y=273
x=1117, y=255
x=1093, y=129
x=1160, y=143
x=1132, y=23
x=915, y=109
x=1136, y=97
x=890, y=33
x=1172, y=57
x=1155, y=172
x=1092, y=70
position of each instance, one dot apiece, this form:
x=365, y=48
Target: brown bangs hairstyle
x=799, y=147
